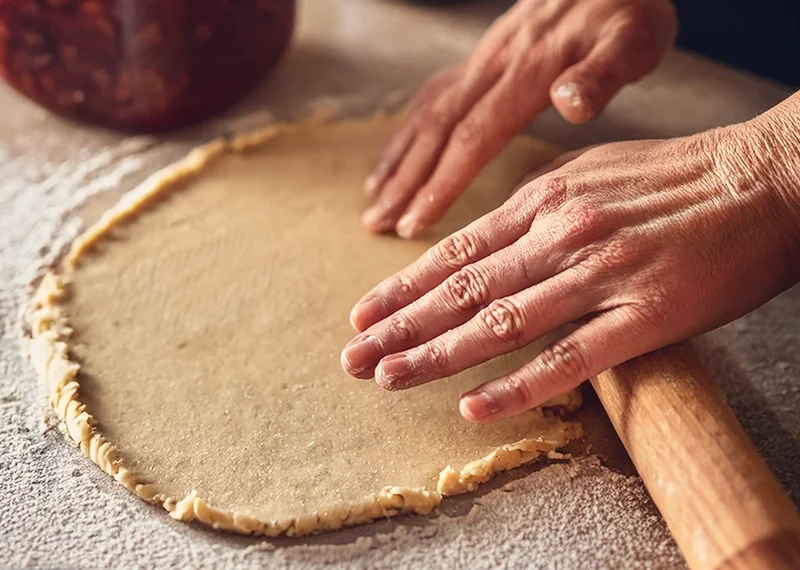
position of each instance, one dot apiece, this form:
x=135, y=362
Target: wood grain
x=719, y=499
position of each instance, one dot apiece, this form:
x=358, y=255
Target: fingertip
x=394, y=373
x=571, y=100
x=386, y=380
x=371, y=218
x=381, y=380
x=479, y=406
x=360, y=356
x=346, y=365
x=367, y=312
x=376, y=221
x=466, y=411
x=353, y=320
x=409, y=226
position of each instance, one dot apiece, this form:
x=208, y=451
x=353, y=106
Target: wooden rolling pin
x=719, y=499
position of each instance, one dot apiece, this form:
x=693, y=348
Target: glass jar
x=144, y=65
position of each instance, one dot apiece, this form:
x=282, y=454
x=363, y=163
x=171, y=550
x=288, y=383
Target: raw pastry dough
x=206, y=313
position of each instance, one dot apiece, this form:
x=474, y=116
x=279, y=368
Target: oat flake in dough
x=206, y=313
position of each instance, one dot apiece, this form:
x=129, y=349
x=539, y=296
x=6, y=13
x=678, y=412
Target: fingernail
x=361, y=354
x=367, y=312
x=394, y=372
x=571, y=91
x=371, y=185
x=480, y=405
x=408, y=226
x=376, y=220
x=574, y=92
x=371, y=217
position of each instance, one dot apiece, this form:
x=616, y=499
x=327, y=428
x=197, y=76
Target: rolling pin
x=721, y=503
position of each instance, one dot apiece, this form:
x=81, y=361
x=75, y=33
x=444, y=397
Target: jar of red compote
x=146, y=65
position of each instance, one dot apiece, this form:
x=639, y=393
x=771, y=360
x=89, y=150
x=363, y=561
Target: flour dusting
x=59, y=510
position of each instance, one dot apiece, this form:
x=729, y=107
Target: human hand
x=641, y=244
x=575, y=53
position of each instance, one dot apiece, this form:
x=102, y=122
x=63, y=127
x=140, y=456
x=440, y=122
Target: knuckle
x=435, y=357
x=403, y=328
x=645, y=31
x=578, y=221
x=565, y=358
x=472, y=131
x=519, y=389
x=468, y=288
x=551, y=194
x=614, y=255
x=655, y=307
x=505, y=320
x=639, y=20
x=403, y=288
x=435, y=122
x=631, y=23
x=457, y=250
x=405, y=285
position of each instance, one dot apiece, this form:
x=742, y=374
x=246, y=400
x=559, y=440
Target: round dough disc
x=191, y=342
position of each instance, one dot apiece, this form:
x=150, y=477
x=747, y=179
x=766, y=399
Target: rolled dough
x=190, y=342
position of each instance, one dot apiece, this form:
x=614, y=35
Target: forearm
x=784, y=126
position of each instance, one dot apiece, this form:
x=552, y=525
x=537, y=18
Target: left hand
x=642, y=243
x=576, y=54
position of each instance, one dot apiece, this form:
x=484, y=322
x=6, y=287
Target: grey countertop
x=352, y=57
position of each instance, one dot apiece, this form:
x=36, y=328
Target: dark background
x=762, y=36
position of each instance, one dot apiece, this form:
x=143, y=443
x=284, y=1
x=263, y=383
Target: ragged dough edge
x=48, y=351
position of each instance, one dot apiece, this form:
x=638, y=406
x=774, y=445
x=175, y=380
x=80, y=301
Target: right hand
x=639, y=244
x=574, y=53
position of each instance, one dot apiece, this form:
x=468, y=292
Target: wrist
x=762, y=157
x=780, y=127
x=777, y=132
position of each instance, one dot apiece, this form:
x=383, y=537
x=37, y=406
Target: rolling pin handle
x=719, y=499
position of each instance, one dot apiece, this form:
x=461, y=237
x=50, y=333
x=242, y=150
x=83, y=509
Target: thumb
x=583, y=90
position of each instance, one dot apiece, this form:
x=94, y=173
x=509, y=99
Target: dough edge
x=48, y=351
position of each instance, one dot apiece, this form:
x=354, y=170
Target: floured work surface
x=207, y=312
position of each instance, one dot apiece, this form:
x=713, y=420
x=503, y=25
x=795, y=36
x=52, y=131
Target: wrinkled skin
x=574, y=53
x=641, y=244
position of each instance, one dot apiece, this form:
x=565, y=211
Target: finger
x=453, y=303
x=557, y=244
x=415, y=167
x=389, y=158
x=399, y=144
x=467, y=84
x=488, y=234
x=605, y=341
x=486, y=55
x=582, y=91
x=433, y=128
x=497, y=37
x=475, y=141
x=507, y=324
x=575, y=226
